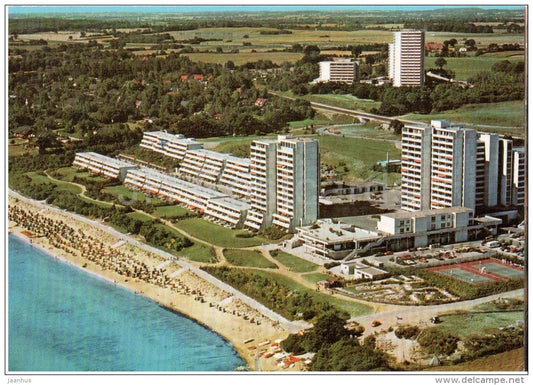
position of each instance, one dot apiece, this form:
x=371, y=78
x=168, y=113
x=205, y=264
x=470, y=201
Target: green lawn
x=292, y=262
x=248, y=258
x=353, y=308
x=315, y=277
x=505, y=114
x=128, y=196
x=61, y=186
x=170, y=211
x=466, y=324
x=344, y=101
x=199, y=253
x=354, y=157
x=139, y=216
x=244, y=57
x=218, y=235
x=466, y=67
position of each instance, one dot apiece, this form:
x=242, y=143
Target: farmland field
x=244, y=57
x=466, y=67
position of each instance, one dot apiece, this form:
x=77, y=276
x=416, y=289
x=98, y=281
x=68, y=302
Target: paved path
x=420, y=315
x=292, y=327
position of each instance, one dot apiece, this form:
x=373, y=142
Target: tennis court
x=504, y=271
x=465, y=276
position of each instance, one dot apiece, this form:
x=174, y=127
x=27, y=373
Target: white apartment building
x=505, y=172
x=426, y=227
x=487, y=170
x=416, y=167
x=227, y=210
x=174, y=146
x=236, y=176
x=519, y=177
x=170, y=188
x=262, y=184
x=297, y=182
x=203, y=166
x=406, y=58
x=101, y=164
x=453, y=165
x=341, y=70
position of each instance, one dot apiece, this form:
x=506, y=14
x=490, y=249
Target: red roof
x=433, y=46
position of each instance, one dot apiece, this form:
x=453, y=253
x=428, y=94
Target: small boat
x=248, y=340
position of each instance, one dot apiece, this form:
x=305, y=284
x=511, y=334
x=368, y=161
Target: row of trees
x=282, y=299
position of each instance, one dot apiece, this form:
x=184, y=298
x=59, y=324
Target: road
x=420, y=315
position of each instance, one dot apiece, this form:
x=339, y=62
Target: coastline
x=215, y=313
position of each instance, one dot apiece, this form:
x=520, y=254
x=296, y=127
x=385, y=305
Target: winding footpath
x=292, y=327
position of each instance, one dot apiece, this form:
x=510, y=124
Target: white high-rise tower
x=406, y=58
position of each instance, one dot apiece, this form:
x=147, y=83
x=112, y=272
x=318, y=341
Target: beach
x=146, y=273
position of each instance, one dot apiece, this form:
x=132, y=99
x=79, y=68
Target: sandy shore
x=177, y=289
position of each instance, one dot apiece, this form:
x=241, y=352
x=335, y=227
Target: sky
x=222, y=8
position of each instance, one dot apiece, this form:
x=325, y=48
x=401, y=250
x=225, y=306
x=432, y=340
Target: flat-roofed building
x=176, y=190
x=262, y=184
x=519, y=177
x=236, y=176
x=505, y=172
x=487, y=170
x=406, y=58
x=453, y=165
x=203, y=166
x=174, y=146
x=359, y=270
x=341, y=70
x=101, y=164
x=228, y=210
x=297, y=182
x=416, y=167
x=333, y=240
x=436, y=226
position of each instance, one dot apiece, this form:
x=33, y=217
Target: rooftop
x=181, y=183
x=231, y=202
x=106, y=159
x=336, y=232
x=425, y=213
x=170, y=137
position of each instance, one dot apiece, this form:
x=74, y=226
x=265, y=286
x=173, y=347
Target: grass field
x=198, y=253
x=466, y=324
x=503, y=114
x=511, y=361
x=369, y=130
x=466, y=67
x=315, y=277
x=127, y=196
x=139, y=216
x=61, y=186
x=67, y=174
x=344, y=101
x=292, y=262
x=17, y=148
x=353, y=157
x=217, y=235
x=248, y=258
x=353, y=308
x=170, y=211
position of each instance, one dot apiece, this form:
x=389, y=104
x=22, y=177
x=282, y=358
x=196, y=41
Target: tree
x=230, y=65
x=46, y=140
x=440, y=62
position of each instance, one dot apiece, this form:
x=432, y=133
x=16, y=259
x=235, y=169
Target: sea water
x=63, y=319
